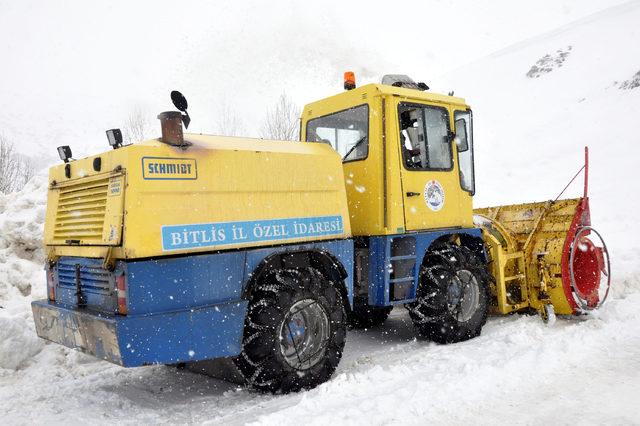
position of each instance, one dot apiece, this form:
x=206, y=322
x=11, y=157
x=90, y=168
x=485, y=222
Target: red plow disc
x=589, y=269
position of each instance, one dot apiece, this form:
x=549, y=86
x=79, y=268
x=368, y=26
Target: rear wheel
x=294, y=331
x=453, y=295
x=365, y=316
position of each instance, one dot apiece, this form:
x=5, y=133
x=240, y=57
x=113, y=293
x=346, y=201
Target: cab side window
x=424, y=137
x=346, y=131
x=464, y=141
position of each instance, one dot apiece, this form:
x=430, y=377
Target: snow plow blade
x=545, y=256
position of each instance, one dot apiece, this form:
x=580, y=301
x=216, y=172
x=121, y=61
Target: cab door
x=430, y=181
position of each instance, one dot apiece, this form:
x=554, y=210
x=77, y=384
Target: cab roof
x=386, y=90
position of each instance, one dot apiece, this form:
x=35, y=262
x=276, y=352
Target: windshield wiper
x=355, y=145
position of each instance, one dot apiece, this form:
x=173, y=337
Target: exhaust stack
x=171, y=123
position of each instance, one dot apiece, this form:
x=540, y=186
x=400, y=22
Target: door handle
x=412, y=194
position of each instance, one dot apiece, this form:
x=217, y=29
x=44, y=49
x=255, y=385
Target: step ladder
x=512, y=271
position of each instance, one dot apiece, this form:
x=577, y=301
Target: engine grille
x=80, y=212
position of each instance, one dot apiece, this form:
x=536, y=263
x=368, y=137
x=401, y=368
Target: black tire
x=364, y=316
x=453, y=295
x=305, y=300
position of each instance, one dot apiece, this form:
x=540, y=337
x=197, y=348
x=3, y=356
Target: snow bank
x=22, y=217
x=18, y=341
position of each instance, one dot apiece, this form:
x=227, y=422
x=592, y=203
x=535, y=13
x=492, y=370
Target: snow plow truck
x=192, y=247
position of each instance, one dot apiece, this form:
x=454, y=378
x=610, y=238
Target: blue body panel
x=186, y=308
x=383, y=264
x=174, y=284
x=187, y=282
x=185, y=335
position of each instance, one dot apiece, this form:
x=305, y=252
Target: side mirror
x=461, y=135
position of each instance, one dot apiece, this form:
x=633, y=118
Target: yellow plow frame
x=526, y=243
x=545, y=256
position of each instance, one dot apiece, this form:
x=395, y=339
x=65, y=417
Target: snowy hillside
x=531, y=130
x=72, y=72
x=536, y=104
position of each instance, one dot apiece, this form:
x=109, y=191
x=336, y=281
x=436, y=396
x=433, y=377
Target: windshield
x=346, y=131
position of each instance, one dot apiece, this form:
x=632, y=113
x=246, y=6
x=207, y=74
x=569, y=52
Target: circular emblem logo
x=434, y=195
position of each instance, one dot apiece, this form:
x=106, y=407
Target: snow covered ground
x=518, y=371
x=529, y=135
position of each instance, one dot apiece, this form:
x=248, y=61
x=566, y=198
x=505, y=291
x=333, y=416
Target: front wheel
x=453, y=295
x=294, y=333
